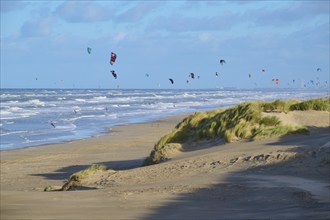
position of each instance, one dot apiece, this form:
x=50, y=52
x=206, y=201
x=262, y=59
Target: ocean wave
x=6, y=95
x=36, y=102
x=100, y=98
x=5, y=132
x=80, y=100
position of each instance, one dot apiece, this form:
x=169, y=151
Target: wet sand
x=273, y=178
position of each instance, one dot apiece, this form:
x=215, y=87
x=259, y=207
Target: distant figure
x=52, y=124
x=75, y=111
x=114, y=74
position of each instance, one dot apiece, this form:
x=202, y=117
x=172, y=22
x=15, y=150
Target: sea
x=34, y=117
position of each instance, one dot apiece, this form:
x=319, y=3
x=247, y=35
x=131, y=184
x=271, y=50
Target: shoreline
x=106, y=131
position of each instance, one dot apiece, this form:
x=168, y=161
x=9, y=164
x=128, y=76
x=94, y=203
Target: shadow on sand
x=298, y=188
x=66, y=172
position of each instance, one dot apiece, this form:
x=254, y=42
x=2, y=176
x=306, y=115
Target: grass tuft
x=75, y=179
x=319, y=104
x=326, y=160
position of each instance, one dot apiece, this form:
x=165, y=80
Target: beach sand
x=282, y=177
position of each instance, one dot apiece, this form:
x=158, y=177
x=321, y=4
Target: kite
x=249, y=75
x=318, y=69
x=276, y=81
x=114, y=74
x=113, y=58
x=192, y=75
x=216, y=74
x=263, y=70
x=222, y=62
x=172, y=81
x=147, y=75
x=89, y=50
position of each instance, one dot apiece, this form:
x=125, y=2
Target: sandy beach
x=281, y=177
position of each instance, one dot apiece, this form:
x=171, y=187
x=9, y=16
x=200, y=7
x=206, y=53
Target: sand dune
x=283, y=177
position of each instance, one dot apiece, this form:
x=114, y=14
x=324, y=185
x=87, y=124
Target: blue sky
x=44, y=43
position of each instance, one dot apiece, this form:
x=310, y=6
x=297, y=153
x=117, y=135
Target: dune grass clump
x=162, y=153
x=75, y=179
x=243, y=121
x=278, y=105
x=318, y=104
x=265, y=132
x=326, y=159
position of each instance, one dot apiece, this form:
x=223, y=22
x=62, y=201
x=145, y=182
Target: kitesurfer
x=114, y=74
x=52, y=124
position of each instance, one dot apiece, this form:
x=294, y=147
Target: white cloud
x=38, y=27
x=119, y=36
x=83, y=11
x=139, y=11
x=205, y=37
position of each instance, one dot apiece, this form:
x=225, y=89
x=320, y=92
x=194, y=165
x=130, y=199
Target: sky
x=44, y=44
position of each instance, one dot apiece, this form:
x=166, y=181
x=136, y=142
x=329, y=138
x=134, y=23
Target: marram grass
x=83, y=173
x=75, y=179
x=319, y=104
x=243, y=121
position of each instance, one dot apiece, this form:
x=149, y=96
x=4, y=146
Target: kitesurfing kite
x=249, y=75
x=222, y=62
x=147, y=75
x=113, y=58
x=192, y=75
x=172, y=81
x=114, y=74
x=89, y=50
x=318, y=69
x=263, y=70
x=216, y=74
